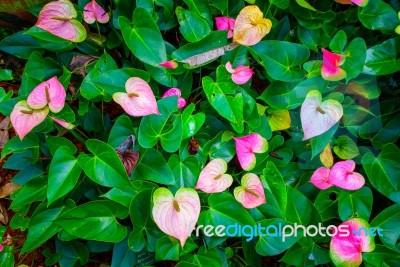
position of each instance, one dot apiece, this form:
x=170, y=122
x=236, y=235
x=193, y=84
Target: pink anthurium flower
x=51, y=93
x=347, y=250
x=251, y=193
x=317, y=117
x=93, y=11
x=356, y=2
x=213, y=178
x=177, y=92
x=250, y=26
x=225, y=24
x=169, y=64
x=24, y=119
x=176, y=216
x=241, y=74
x=330, y=70
x=246, y=146
x=342, y=175
x=320, y=178
x=59, y=18
x=66, y=125
x=138, y=100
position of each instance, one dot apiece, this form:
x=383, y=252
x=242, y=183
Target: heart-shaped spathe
x=59, y=18
x=331, y=63
x=213, y=178
x=317, y=117
x=251, y=193
x=225, y=24
x=250, y=26
x=177, y=92
x=138, y=100
x=24, y=119
x=342, y=175
x=241, y=74
x=346, y=250
x=176, y=216
x=93, y=11
x=246, y=146
x=356, y=2
x=50, y=92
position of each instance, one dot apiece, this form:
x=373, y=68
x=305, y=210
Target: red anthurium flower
x=330, y=70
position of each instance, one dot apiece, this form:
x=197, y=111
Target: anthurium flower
x=213, y=178
x=320, y=178
x=138, y=100
x=342, y=175
x=93, y=11
x=330, y=70
x=251, y=193
x=225, y=24
x=317, y=117
x=24, y=119
x=241, y=74
x=246, y=146
x=51, y=93
x=347, y=250
x=176, y=216
x=356, y=2
x=177, y=92
x=59, y=18
x=169, y=64
x=64, y=124
x=250, y=26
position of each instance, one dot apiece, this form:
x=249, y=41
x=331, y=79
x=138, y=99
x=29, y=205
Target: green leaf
x=224, y=210
x=143, y=37
x=104, y=167
x=299, y=208
x=212, y=41
x=91, y=90
x=30, y=141
x=96, y=220
x=167, y=249
x=282, y=59
x=122, y=196
x=54, y=142
x=382, y=58
x=378, y=15
x=123, y=256
x=64, y=172
x=140, y=214
x=338, y=42
x=271, y=243
x=165, y=127
x=384, y=171
x=388, y=220
x=72, y=252
x=193, y=26
x=7, y=256
x=191, y=123
x=6, y=75
x=41, y=229
x=313, y=38
x=355, y=58
x=327, y=203
x=345, y=147
x=309, y=18
x=381, y=256
x=276, y=185
x=201, y=8
x=185, y=171
x=318, y=143
x=153, y=167
x=381, y=129
x=282, y=4
x=306, y=255
x=221, y=96
x=121, y=130
x=34, y=190
x=222, y=146
x=305, y=4
x=20, y=45
x=357, y=204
